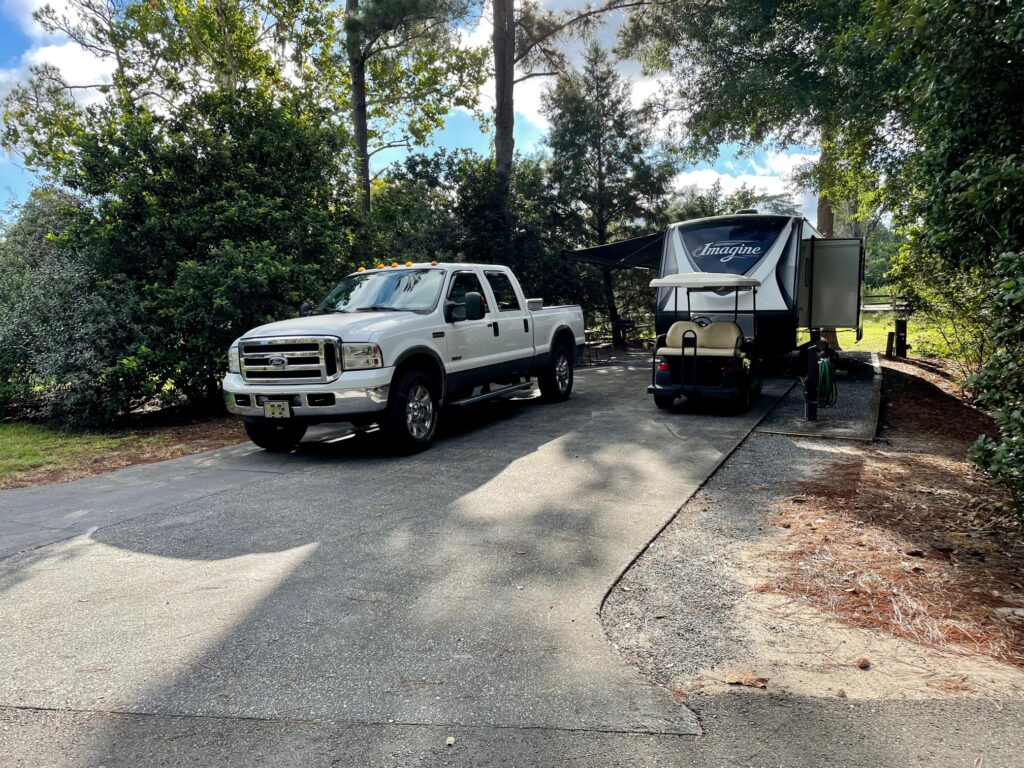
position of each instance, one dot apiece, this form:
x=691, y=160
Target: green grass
x=924, y=338
x=31, y=446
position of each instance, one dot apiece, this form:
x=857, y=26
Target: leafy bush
x=1001, y=384
x=71, y=346
x=220, y=217
x=66, y=339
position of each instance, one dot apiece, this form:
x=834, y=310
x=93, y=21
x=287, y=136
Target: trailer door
x=831, y=274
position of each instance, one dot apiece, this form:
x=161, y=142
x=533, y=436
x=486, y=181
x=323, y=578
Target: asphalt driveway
x=340, y=606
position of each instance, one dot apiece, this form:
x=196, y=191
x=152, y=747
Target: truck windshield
x=399, y=290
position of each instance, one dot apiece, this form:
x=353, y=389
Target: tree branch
x=535, y=74
x=611, y=5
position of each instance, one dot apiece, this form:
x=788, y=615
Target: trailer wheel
x=664, y=402
x=556, y=379
x=275, y=437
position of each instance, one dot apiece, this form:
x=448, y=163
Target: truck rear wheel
x=413, y=412
x=556, y=378
x=664, y=402
x=277, y=437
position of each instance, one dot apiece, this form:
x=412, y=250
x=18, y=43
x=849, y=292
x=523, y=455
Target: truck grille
x=289, y=360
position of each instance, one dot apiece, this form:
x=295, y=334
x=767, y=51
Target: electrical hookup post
x=811, y=380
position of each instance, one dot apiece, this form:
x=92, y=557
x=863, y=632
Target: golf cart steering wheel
x=702, y=320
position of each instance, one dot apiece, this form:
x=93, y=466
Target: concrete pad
x=853, y=417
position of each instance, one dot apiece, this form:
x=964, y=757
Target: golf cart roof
x=705, y=281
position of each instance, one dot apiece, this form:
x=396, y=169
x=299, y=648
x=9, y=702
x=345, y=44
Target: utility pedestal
x=811, y=385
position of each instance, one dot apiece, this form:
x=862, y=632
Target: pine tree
x=605, y=164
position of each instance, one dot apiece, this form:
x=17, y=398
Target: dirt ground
x=889, y=570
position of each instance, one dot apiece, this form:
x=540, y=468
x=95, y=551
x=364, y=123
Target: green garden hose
x=828, y=388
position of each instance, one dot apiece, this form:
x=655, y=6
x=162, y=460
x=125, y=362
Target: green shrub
x=1000, y=385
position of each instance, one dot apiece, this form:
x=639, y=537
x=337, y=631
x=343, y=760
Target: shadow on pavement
x=455, y=587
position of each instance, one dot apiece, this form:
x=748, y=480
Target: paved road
x=339, y=606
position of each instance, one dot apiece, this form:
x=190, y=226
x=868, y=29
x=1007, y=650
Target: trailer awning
x=636, y=252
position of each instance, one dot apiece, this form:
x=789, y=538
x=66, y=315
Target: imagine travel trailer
x=806, y=281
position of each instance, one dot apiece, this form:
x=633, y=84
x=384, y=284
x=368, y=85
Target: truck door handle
x=526, y=325
x=495, y=326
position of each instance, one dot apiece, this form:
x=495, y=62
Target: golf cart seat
x=720, y=339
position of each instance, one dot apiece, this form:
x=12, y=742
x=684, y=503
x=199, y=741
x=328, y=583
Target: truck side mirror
x=449, y=311
x=306, y=309
x=474, y=305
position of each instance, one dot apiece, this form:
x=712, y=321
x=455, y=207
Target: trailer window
x=504, y=293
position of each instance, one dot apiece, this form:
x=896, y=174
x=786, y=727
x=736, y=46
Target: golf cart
x=698, y=358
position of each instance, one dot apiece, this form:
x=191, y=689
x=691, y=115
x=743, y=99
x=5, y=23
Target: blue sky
x=24, y=43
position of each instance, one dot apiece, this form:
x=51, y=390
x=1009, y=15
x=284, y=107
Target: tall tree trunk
x=613, y=312
x=357, y=71
x=504, y=39
x=609, y=286
x=826, y=225
x=826, y=216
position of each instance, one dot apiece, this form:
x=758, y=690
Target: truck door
x=473, y=355
x=514, y=336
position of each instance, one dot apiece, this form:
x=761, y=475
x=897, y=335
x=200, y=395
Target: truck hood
x=360, y=326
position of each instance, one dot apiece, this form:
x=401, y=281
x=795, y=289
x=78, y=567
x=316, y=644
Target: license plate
x=277, y=409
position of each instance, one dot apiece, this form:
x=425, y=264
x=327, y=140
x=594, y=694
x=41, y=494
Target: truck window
x=463, y=283
x=504, y=293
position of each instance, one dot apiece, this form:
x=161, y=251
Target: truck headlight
x=234, y=365
x=358, y=356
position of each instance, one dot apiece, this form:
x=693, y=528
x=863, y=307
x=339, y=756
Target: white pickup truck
x=394, y=346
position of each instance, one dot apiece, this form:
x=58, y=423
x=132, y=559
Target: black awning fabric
x=636, y=252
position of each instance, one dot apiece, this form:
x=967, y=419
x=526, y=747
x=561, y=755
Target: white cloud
x=781, y=163
x=21, y=11
x=763, y=183
x=481, y=34
x=77, y=66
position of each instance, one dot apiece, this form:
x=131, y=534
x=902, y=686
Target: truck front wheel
x=413, y=412
x=276, y=437
x=556, y=379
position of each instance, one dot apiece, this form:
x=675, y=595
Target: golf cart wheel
x=664, y=402
x=743, y=399
x=556, y=379
x=275, y=437
x=413, y=412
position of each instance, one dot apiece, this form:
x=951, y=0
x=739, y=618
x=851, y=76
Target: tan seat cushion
x=674, y=337
x=720, y=336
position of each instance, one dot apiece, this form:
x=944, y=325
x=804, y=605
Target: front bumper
x=354, y=393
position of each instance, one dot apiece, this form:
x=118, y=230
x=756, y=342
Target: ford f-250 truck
x=396, y=345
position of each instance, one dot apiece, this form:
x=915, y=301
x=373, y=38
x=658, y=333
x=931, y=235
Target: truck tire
x=413, y=412
x=276, y=437
x=664, y=402
x=556, y=378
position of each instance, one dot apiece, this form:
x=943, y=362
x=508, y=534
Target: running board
x=493, y=394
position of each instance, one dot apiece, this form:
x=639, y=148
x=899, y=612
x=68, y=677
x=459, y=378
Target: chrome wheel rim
x=419, y=412
x=563, y=373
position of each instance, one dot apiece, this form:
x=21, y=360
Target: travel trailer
x=805, y=281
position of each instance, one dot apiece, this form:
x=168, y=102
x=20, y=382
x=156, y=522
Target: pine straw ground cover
x=907, y=537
